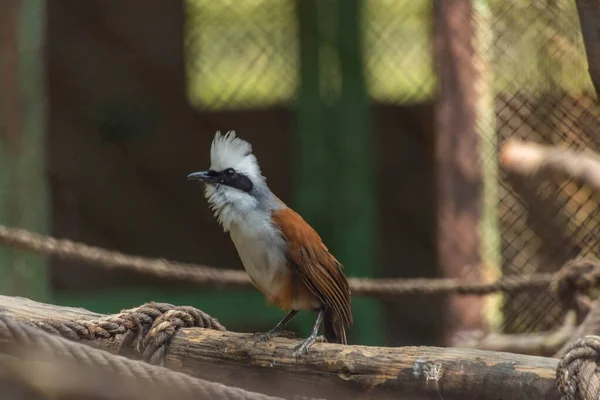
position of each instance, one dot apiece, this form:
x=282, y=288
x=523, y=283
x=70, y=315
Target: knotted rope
x=75, y=353
x=571, y=286
x=147, y=328
x=576, y=374
x=573, y=282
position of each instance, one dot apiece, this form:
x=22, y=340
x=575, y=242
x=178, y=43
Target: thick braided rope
x=22, y=334
x=576, y=373
x=150, y=327
x=154, y=343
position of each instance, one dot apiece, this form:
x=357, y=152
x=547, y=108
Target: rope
x=140, y=372
x=69, y=250
x=566, y=283
x=573, y=282
x=150, y=327
x=576, y=372
x=154, y=344
x=589, y=326
x=571, y=286
x=425, y=286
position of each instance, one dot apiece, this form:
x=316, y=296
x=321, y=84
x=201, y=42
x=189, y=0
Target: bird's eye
x=229, y=172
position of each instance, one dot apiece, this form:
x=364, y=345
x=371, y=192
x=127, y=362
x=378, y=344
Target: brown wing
x=318, y=269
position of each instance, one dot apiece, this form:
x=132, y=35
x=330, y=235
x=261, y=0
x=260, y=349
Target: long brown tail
x=333, y=328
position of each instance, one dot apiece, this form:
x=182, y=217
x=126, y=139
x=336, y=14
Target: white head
x=235, y=186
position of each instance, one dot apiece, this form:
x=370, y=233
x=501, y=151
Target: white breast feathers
x=262, y=251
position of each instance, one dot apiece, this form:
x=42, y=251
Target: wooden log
x=533, y=159
x=589, y=19
x=23, y=309
x=544, y=344
x=23, y=194
x=333, y=371
x=458, y=174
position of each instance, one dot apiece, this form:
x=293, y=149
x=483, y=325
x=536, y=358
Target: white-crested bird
x=284, y=256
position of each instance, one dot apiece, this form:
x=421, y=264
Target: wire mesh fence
x=248, y=55
x=540, y=89
x=241, y=54
x=542, y=93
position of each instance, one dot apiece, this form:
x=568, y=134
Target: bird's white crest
x=232, y=206
x=229, y=151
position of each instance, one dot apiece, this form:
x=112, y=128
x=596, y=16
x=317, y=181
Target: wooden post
x=333, y=147
x=589, y=18
x=457, y=161
x=23, y=196
x=309, y=140
x=310, y=134
x=354, y=180
x=486, y=127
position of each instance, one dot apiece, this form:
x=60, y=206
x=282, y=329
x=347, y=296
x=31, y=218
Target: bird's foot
x=303, y=348
x=266, y=336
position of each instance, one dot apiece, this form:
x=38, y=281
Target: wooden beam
x=545, y=344
x=333, y=147
x=589, y=19
x=310, y=145
x=356, y=227
x=530, y=159
x=23, y=189
x=335, y=371
x=457, y=161
x=490, y=232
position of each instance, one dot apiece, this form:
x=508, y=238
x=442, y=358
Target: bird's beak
x=204, y=176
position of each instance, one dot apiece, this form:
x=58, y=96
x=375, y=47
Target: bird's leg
x=305, y=345
x=276, y=331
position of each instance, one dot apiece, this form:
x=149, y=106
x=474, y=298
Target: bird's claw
x=304, y=347
x=265, y=336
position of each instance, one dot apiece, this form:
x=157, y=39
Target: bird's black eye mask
x=231, y=177
x=228, y=177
